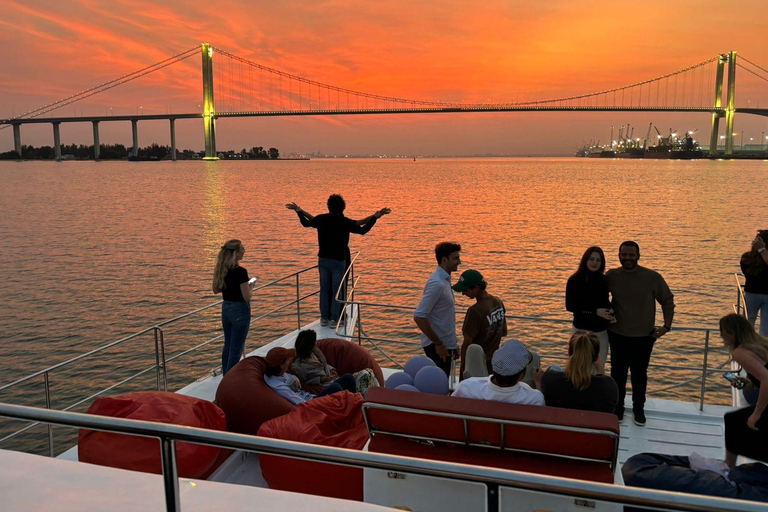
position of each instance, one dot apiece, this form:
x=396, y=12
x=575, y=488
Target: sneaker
x=619, y=412
x=638, y=415
x=324, y=322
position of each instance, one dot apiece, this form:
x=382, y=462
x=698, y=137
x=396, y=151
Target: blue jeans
x=757, y=302
x=331, y=273
x=346, y=381
x=236, y=320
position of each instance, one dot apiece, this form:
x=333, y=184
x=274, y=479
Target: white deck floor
x=672, y=427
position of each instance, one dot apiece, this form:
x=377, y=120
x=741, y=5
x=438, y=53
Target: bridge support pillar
x=209, y=111
x=713, y=137
x=173, y=140
x=17, y=139
x=56, y=141
x=135, y=131
x=730, y=110
x=96, y=148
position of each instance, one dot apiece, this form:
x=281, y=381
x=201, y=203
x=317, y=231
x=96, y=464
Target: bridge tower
x=730, y=109
x=721, y=60
x=209, y=111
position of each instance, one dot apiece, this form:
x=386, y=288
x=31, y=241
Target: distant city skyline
x=498, y=51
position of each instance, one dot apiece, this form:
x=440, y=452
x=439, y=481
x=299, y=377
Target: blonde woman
x=231, y=280
x=577, y=387
x=746, y=430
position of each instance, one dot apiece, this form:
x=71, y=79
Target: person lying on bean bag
x=279, y=360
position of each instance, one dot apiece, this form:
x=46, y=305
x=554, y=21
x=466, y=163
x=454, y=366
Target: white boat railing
x=161, y=360
x=346, y=295
x=169, y=435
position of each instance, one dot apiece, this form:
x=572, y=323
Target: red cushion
x=349, y=357
x=248, y=401
x=600, y=444
x=332, y=420
x=143, y=453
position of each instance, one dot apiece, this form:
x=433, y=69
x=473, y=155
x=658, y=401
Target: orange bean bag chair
x=143, y=453
x=332, y=420
x=249, y=402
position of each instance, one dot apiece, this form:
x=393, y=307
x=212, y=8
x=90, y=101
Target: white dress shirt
x=438, y=306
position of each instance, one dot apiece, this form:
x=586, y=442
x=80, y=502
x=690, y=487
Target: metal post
x=730, y=109
x=170, y=474
x=298, y=304
x=718, y=104
x=96, y=148
x=48, y=406
x=160, y=370
x=173, y=140
x=135, y=131
x=17, y=138
x=209, y=110
x=56, y=141
x=156, y=331
x=704, y=371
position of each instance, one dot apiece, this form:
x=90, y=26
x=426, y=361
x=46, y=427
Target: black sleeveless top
x=754, y=380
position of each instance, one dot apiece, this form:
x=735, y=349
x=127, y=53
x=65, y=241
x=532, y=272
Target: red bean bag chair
x=332, y=420
x=248, y=401
x=143, y=453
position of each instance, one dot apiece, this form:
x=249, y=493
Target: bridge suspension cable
x=278, y=91
x=750, y=71
x=105, y=86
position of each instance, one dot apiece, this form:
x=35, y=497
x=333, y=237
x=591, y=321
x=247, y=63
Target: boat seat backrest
x=533, y=430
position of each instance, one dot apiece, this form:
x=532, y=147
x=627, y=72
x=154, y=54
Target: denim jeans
x=331, y=273
x=346, y=381
x=236, y=320
x=757, y=302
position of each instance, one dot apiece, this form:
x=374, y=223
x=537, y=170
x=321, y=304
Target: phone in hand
x=733, y=378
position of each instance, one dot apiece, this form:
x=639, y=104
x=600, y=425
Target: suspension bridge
x=249, y=89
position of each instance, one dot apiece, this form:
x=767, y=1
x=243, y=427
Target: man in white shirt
x=504, y=384
x=436, y=312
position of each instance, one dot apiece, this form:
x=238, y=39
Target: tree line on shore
x=121, y=152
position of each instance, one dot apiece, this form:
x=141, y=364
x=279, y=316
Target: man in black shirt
x=333, y=230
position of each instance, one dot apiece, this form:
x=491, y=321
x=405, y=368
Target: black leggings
x=742, y=440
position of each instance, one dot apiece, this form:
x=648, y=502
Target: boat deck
x=673, y=427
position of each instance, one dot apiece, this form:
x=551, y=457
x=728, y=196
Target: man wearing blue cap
x=485, y=323
x=504, y=384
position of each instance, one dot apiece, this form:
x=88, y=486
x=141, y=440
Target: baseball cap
x=278, y=355
x=511, y=358
x=468, y=279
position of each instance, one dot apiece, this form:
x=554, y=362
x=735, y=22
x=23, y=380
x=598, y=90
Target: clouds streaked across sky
x=455, y=50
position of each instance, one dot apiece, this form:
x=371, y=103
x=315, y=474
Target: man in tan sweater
x=635, y=291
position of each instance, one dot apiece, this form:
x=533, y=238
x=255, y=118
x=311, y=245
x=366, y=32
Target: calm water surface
x=92, y=251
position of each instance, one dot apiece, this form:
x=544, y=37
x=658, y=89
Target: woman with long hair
x=586, y=296
x=746, y=430
x=754, y=266
x=231, y=280
x=311, y=366
x=579, y=386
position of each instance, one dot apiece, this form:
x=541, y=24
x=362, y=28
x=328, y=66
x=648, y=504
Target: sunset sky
x=454, y=50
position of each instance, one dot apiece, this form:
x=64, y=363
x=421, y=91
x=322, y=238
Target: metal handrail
x=703, y=369
x=160, y=357
x=741, y=302
x=169, y=435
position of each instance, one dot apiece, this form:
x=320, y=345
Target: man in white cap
x=504, y=384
